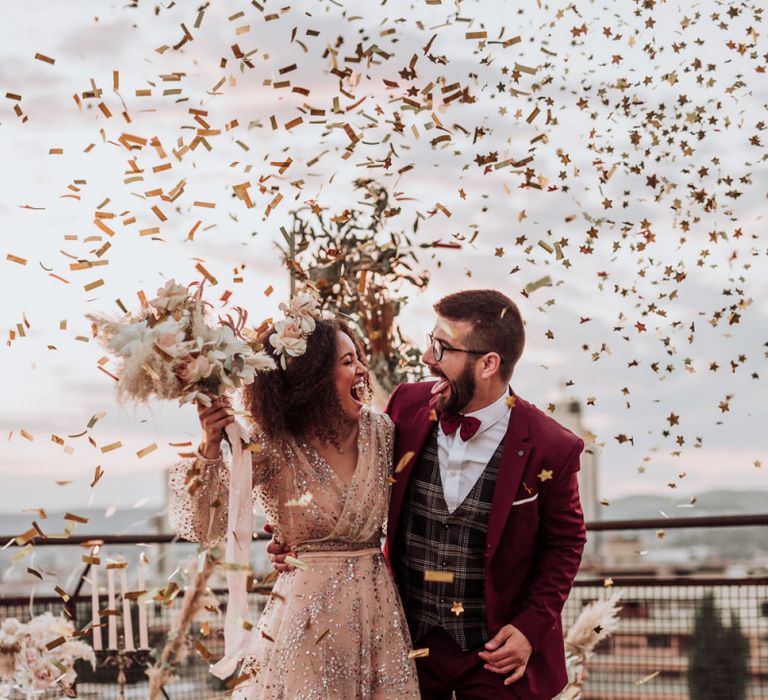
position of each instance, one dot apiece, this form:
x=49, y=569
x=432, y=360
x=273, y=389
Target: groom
x=485, y=529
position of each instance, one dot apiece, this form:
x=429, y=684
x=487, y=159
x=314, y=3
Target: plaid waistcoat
x=432, y=539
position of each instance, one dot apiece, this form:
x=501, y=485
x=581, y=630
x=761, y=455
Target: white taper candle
x=111, y=620
x=98, y=645
x=143, y=630
x=127, y=622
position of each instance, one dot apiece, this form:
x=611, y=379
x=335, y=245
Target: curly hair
x=302, y=399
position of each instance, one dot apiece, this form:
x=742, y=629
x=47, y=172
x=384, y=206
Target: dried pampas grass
x=176, y=648
x=596, y=622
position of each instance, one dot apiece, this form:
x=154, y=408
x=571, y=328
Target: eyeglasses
x=438, y=347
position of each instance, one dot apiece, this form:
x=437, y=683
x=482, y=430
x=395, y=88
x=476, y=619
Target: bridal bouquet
x=595, y=622
x=169, y=350
x=36, y=655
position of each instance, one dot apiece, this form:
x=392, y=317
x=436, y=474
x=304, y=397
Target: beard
x=462, y=390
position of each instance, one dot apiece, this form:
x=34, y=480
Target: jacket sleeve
x=562, y=538
x=390, y=404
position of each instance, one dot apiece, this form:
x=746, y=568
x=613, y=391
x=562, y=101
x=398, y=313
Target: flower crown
x=290, y=336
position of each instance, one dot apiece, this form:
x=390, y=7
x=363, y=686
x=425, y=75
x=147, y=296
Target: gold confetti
x=144, y=451
x=418, y=653
x=404, y=461
x=75, y=518
x=438, y=576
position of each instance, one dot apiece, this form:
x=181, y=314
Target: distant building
x=568, y=413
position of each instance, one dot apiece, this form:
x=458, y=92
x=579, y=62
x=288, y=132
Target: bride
x=333, y=627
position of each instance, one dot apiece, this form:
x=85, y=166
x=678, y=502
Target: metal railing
x=646, y=658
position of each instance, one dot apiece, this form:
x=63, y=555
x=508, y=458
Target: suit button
x=520, y=453
x=446, y=526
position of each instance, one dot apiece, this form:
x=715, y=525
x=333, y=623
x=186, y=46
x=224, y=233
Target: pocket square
x=525, y=500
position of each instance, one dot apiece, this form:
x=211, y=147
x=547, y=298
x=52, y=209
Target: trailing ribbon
x=239, y=536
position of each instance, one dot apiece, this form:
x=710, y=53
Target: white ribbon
x=239, y=535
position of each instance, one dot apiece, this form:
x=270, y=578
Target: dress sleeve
x=389, y=442
x=197, y=504
x=386, y=429
x=199, y=492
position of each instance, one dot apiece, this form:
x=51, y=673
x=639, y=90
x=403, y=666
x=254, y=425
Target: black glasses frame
x=438, y=348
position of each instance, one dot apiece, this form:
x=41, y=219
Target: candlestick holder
x=122, y=659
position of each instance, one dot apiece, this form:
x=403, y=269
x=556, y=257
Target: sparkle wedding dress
x=336, y=629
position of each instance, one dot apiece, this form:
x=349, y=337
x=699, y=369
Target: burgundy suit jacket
x=536, y=530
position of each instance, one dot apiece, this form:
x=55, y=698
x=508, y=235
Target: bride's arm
x=199, y=486
x=199, y=494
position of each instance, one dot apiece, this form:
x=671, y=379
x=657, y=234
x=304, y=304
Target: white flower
x=130, y=337
x=169, y=297
x=303, y=308
x=288, y=339
x=169, y=337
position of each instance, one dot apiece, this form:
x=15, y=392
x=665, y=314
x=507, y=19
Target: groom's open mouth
x=440, y=390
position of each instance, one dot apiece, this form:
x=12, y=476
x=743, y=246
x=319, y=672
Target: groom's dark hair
x=496, y=323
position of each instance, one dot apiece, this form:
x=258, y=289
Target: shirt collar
x=493, y=413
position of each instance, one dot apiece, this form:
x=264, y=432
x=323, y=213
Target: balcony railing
x=647, y=657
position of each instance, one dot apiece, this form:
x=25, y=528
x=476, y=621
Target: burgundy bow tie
x=469, y=425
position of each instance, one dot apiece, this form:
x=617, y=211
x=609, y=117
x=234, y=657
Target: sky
x=648, y=156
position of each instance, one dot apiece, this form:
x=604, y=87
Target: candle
x=97, y=642
x=127, y=622
x=143, y=631
x=112, y=620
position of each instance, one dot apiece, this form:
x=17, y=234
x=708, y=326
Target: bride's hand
x=214, y=419
x=278, y=552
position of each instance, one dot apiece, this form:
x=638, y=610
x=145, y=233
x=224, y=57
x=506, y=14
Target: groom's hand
x=508, y=651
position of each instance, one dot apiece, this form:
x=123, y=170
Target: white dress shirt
x=462, y=463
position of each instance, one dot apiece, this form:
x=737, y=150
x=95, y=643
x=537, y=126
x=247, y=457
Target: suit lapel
x=514, y=458
x=409, y=439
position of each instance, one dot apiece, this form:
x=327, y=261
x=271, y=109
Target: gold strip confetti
x=438, y=576
x=97, y=474
x=55, y=643
x=199, y=267
x=545, y=281
x=112, y=446
x=202, y=649
x=93, y=285
x=403, y=463
x=144, y=451
x=75, y=518
x=16, y=259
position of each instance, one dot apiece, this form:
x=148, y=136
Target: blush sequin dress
x=335, y=630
